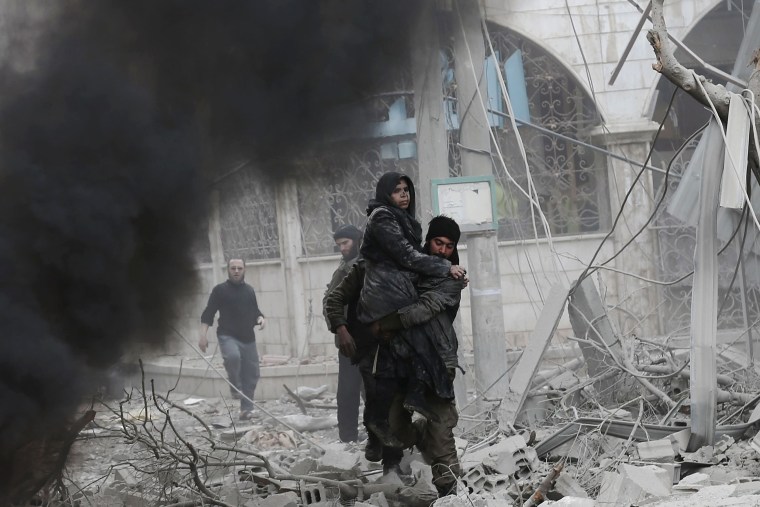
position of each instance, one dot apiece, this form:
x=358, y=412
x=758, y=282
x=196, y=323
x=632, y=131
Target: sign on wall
x=468, y=200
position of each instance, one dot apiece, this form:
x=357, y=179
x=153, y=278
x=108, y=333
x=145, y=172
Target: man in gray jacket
x=348, y=239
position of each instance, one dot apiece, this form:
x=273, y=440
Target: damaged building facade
x=585, y=140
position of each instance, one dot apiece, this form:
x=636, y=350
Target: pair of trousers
x=390, y=456
x=349, y=393
x=436, y=442
x=241, y=360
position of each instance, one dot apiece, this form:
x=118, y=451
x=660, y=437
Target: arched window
x=551, y=107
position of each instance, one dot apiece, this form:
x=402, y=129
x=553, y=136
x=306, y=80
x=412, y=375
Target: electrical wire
x=619, y=214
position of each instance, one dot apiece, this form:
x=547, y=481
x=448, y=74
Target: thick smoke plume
x=107, y=140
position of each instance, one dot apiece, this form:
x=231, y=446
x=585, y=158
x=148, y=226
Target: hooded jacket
x=392, y=253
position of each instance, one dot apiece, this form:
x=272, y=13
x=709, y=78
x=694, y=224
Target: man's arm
x=207, y=319
x=431, y=302
x=260, y=320
x=337, y=277
x=347, y=291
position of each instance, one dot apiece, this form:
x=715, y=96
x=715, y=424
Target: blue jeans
x=241, y=360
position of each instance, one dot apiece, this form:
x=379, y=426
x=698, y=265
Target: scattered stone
x=304, y=466
x=338, y=459
x=567, y=486
x=650, y=478
x=302, y=422
x=310, y=393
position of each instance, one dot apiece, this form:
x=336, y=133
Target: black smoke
x=108, y=140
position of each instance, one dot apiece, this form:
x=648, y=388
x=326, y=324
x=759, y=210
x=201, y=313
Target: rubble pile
x=575, y=441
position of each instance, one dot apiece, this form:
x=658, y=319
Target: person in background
x=239, y=312
x=348, y=239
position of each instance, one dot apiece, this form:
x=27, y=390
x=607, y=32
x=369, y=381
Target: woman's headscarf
x=385, y=186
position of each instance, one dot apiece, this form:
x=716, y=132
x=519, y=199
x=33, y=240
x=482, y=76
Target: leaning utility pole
x=489, y=342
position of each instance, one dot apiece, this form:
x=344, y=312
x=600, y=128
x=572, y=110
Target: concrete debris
x=288, y=499
x=310, y=393
x=303, y=422
x=653, y=480
x=657, y=450
x=570, y=446
x=567, y=486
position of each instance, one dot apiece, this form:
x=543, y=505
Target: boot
x=415, y=402
x=373, y=450
x=382, y=431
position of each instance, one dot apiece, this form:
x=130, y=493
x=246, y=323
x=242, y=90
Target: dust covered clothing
x=429, y=332
x=346, y=294
x=392, y=253
x=343, y=269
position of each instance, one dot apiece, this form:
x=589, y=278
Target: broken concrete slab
x=567, y=486
x=618, y=491
x=652, y=479
x=693, y=482
x=339, y=459
x=302, y=422
x=661, y=450
x=530, y=359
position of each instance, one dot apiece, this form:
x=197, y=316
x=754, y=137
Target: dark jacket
x=392, y=252
x=238, y=310
x=343, y=268
x=426, y=327
x=346, y=294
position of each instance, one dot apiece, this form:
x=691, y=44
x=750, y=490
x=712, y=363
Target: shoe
x=373, y=450
x=246, y=415
x=383, y=432
x=415, y=402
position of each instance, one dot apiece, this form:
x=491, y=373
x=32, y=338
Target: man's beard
x=351, y=253
x=242, y=279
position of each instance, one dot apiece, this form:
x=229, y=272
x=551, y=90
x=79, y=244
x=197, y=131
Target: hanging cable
x=585, y=272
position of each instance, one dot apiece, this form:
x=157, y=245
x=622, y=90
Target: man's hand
x=202, y=342
x=261, y=322
x=346, y=343
x=457, y=272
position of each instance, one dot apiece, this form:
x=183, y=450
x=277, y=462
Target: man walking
x=429, y=333
x=348, y=239
x=239, y=312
